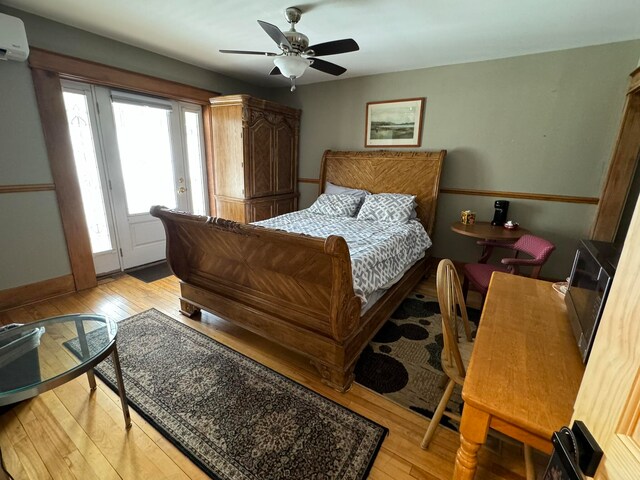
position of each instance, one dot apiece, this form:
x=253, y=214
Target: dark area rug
x=152, y=272
x=235, y=418
x=402, y=362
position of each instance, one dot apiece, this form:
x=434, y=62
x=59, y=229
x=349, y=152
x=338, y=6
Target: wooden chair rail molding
x=495, y=193
x=34, y=187
x=315, y=181
x=527, y=196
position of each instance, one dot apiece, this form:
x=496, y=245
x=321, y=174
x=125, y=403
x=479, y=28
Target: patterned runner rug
x=235, y=418
x=402, y=362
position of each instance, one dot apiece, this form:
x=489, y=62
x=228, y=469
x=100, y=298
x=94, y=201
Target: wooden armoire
x=255, y=158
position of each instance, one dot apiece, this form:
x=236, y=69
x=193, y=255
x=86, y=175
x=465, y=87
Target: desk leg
x=121, y=391
x=473, y=433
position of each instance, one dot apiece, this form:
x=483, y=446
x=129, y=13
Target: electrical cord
x=560, y=287
x=567, y=431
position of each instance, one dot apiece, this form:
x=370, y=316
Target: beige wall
x=541, y=123
x=32, y=244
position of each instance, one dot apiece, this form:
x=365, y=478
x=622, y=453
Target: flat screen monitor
x=591, y=276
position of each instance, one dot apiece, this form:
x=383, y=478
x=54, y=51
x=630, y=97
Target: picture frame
x=394, y=123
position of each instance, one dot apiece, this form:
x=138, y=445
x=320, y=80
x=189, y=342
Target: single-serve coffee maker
x=500, y=215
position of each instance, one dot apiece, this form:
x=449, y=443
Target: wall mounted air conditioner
x=13, y=39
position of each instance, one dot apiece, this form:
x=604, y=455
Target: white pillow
x=339, y=205
x=387, y=207
x=331, y=189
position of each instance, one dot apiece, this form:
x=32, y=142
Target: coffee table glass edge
x=85, y=365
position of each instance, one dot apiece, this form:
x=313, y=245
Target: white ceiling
x=393, y=35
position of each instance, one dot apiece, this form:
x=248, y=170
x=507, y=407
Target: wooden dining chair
x=456, y=353
x=457, y=348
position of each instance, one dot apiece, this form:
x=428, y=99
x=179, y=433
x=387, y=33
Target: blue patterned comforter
x=380, y=252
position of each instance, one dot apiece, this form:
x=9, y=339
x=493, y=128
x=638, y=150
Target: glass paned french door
x=89, y=163
x=144, y=146
x=151, y=153
x=144, y=157
x=194, y=152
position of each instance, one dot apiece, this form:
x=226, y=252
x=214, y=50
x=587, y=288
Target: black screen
x=586, y=291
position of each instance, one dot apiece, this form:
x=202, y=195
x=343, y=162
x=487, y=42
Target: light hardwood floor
x=68, y=433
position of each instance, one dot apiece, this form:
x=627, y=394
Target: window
x=86, y=161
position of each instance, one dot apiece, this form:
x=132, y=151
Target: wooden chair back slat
x=453, y=311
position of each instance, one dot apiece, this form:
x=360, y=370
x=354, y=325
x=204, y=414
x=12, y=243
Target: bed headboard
x=417, y=173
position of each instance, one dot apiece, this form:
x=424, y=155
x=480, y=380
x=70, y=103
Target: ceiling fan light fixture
x=296, y=54
x=291, y=66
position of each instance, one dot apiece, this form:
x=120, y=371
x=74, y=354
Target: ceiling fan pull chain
x=293, y=83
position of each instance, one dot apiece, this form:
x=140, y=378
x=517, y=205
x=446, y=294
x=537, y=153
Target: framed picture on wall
x=394, y=123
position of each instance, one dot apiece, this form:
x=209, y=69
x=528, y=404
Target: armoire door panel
x=285, y=158
x=228, y=153
x=261, y=159
x=285, y=206
x=230, y=210
x=260, y=210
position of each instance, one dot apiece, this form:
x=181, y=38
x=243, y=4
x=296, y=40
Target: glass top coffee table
x=38, y=356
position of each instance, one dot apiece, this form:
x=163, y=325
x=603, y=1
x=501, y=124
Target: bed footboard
x=293, y=289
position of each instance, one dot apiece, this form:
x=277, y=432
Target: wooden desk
x=486, y=231
x=525, y=369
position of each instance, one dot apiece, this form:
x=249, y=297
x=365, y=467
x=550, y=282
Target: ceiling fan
x=297, y=55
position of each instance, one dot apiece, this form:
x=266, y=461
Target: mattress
x=380, y=252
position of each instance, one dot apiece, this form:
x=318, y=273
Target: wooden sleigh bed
x=294, y=289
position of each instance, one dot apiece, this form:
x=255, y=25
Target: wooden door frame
x=624, y=161
x=47, y=69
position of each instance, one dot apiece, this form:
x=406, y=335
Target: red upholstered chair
x=477, y=275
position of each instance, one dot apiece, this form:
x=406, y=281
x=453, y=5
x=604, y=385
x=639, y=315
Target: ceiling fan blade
x=275, y=33
x=275, y=71
x=337, y=46
x=327, y=67
x=248, y=52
